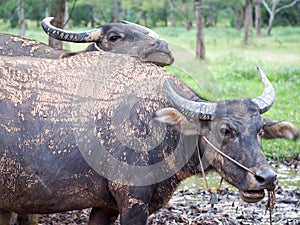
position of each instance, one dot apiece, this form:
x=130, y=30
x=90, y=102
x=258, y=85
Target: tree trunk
x=188, y=23
x=211, y=20
x=58, y=12
x=247, y=20
x=251, y=13
x=21, y=14
x=200, y=46
x=242, y=17
x=236, y=16
x=270, y=24
x=172, y=13
x=117, y=11
x=239, y=15
x=272, y=16
x=92, y=18
x=66, y=17
x=46, y=8
x=165, y=18
x=258, y=17
x=144, y=17
x=172, y=17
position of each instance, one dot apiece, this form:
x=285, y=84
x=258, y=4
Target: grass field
x=229, y=70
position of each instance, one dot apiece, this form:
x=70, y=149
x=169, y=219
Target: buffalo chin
x=252, y=196
x=159, y=58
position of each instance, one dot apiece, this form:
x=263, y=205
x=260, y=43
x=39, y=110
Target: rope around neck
x=213, y=194
x=213, y=198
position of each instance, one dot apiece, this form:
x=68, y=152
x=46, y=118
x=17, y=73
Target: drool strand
x=271, y=203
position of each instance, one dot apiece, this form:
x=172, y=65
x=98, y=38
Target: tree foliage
x=150, y=13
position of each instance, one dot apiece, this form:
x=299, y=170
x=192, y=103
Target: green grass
x=230, y=69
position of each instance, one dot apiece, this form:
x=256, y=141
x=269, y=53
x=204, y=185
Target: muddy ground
x=191, y=206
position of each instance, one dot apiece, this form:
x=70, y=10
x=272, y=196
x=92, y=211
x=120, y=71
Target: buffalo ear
x=174, y=118
x=274, y=129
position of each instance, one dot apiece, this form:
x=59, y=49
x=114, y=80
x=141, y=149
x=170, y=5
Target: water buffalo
x=130, y=39
x=107, y=132
x=127, y=38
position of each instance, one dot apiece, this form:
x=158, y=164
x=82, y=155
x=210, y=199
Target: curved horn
x=148, y=31
x=266, y=100
x=63, y=35
x=204, y=110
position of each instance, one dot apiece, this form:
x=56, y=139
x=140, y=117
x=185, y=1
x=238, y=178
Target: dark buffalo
x=128, y=38
x=12, y=45
x=131, y=39
x=105, y=131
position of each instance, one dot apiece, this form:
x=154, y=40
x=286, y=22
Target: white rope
x=228, y=157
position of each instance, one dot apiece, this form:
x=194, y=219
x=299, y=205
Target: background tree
x=58, y=12
x=83, y=15
x=36, y=10
x=21, y=15
x=186, y=9
x=275, y=6
x=258, y=17
x=239, y=15
x=67, y=18
x=46, y=8
x=172, y=12
x=214, y=11
x=251, y=14
x=181, y=13
x=93, y=13
x=247, y=21
x=200, y=44
x=117, y=11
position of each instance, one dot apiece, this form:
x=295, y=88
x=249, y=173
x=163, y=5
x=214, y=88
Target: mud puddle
x=190, y=204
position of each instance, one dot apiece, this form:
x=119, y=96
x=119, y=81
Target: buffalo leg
x=5, y=217
x=133, y=205
x=27, y=219
x=137, y=214
x=103, y=216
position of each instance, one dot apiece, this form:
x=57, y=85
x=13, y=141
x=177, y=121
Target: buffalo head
x=124, y=38
x=236, y=127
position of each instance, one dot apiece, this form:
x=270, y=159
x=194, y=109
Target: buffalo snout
x=161, y=46
x=252, y=190
x=157, y=52
x=266, y=179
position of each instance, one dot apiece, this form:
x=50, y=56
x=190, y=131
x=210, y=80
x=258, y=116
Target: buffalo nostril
x=267, y=179
x=259, y=178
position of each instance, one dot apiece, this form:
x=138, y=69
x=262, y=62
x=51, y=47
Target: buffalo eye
x=114, y=38
x=225, y=132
